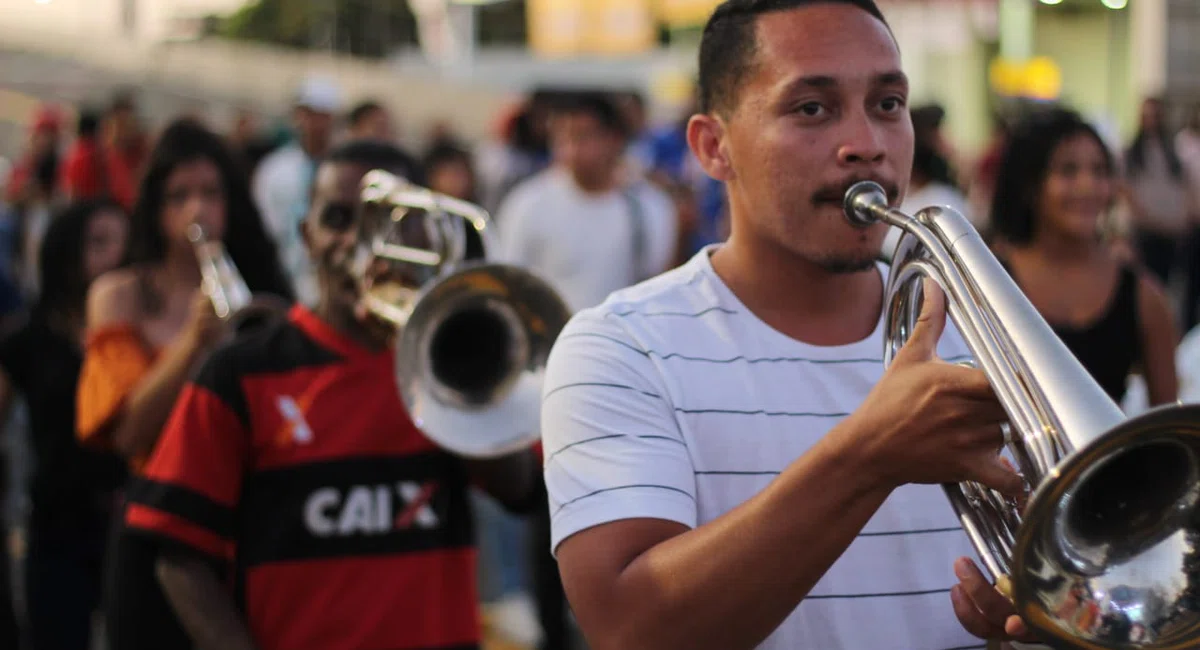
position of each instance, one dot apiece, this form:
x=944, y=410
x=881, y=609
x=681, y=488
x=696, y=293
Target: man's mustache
x=837, y=193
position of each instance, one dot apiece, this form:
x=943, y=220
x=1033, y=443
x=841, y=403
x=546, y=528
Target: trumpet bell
x=474, y=335
x=1106, y=554
x=1116, y=530
x=471, y=356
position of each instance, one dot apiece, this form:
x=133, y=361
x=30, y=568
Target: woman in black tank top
x=1056, y=181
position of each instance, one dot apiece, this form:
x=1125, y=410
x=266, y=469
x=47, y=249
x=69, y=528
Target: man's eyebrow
x=821, y=81
x=890, y=78
x=813, y=81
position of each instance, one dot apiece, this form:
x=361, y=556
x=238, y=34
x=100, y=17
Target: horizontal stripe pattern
x=672, y=401
x=894, y=594
x=184, y=503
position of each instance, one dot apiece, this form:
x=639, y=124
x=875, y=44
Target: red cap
x=47, y=118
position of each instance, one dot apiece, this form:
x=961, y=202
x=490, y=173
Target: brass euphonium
x=474, y=335
x=231, y=298
x=1111, y=526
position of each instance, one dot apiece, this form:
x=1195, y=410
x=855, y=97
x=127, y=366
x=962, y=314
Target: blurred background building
x=974, y=57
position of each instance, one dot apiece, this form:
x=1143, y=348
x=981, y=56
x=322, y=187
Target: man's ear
x=706, y=137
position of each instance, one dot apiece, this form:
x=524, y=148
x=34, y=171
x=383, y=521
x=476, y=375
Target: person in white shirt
x=728, y=464
x=1187, y=144
x=283, y=181
x=581, y=224
x=588, y=228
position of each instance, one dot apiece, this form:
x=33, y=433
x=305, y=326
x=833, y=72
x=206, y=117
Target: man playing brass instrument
x=729, y=465
x=291, y=464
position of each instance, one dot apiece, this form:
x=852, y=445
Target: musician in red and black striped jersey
x=291, y=465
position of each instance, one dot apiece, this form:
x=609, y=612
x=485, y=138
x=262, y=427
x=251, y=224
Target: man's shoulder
x=654, y=198
x=651, y=309
x=275, y=348
x=535, y=187
x=281, y=160
x=527, y=198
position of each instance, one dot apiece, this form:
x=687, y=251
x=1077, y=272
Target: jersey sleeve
x=189, y=489
x=612, y=445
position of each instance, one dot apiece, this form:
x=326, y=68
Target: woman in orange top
x=149, y=324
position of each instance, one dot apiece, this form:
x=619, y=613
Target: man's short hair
x=378, y=155
x=728, y=46
x=598, y=104
x=361, y=111
x=123, y=99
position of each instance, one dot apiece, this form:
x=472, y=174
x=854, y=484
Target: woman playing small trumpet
x=149, y=323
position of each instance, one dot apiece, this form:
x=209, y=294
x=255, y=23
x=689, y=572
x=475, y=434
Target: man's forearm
x=202, y=604
x=729, y=583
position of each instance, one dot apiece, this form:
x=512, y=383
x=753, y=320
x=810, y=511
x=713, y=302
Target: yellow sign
x=1036, y=78
x=685, y=13
x=556, y=27
x=603, y=27
x=617, y=27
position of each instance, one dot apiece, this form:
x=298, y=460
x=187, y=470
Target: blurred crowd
x=1104, y=238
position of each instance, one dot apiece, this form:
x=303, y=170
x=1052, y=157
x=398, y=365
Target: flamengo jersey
x=674, y=401
x=292, y=456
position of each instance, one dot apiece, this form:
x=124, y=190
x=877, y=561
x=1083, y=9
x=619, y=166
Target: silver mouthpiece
x=195, y=233
x=863, y=203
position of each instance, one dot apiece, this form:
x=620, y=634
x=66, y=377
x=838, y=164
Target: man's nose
x=862, y=140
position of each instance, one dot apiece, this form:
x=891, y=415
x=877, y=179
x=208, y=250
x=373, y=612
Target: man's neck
x=312, y=147
x=798, y=298
x=348, y=325
x=599, y=184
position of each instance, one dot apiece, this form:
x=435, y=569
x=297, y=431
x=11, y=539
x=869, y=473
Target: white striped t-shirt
x=671, y=400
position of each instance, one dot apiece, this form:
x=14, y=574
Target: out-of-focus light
x=1115, y=4
x=1051, y=2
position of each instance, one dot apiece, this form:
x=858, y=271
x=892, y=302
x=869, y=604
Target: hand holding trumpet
x=951, y=433
x=204, y=329
x=228, y=299
x=934, y=422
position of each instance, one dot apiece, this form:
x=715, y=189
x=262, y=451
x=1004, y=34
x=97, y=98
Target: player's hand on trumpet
x=930, y=421
x=982, y=609
x=204, y=329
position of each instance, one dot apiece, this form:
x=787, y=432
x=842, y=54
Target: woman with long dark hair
x=72, y=491
x=1056, y=182
x=149, y=324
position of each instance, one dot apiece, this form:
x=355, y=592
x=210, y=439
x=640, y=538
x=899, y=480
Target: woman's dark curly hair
x=252, y=250
x=62, y=278
x=1025, y=165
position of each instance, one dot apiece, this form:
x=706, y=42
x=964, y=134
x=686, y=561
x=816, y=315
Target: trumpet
x=474, y=335
x=231, y=298
x=1112, y=524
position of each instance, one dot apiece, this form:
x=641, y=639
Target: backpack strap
x=638, y=244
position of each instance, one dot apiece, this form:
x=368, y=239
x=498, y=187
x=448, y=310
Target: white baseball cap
x=319, y=94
